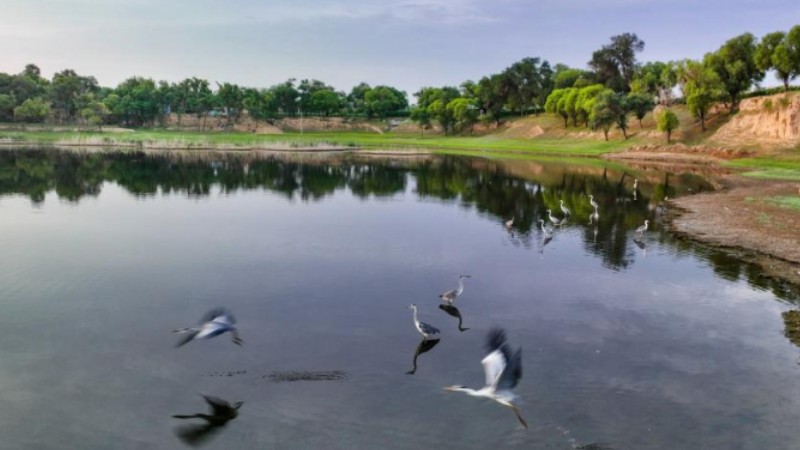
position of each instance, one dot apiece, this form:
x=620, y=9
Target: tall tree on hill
x=701, y=88
x=615, y=63
x=735, y=64
x=640, y=104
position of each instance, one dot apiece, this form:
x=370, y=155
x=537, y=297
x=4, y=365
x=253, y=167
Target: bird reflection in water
x=197, y=434
x=425, y=345
x=639, y=241
x=453, y=311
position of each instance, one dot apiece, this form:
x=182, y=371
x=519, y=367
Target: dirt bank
x=765, y=122
x=698, y=154
x=744, y=218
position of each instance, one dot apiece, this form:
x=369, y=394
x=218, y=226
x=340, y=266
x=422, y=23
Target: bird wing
x=218, y=405
x=493, y=365
x=219, y=315
x=512, y=372
x=448, y=294
x=188, y=336
x=428, y=328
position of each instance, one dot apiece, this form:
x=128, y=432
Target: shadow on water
x=209, y=425
x=425, y=345
x=454, y=312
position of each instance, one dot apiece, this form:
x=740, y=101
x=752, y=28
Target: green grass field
x=778, y=167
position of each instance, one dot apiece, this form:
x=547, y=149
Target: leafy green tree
x=608, y=109
x=648, y=78
x=566, y=77
x=230, y=97
x=570, y=105
x=420, y=116
x=492, y=95
x=529, y=81
x=780, y=52
x=586, y=99
x=285, y=96
x=95, y=114
x=701, y=88
x=615, y=63
x=138, y=103
x=65, y=88
x=735, y=64
x=438, y=111
x=464, y=112
x=6, y=107
x=381, y=101
x=667, y=122
x=554, y=105
x=640, y=104
x=355, y=98
x=259, y=104
x=34, y=110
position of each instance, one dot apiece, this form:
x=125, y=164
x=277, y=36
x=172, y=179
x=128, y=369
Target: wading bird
x=642, y=228
x=450, y=296
x=215, y=322
x=635, y=184
x=503, y=371
x=425, y=329
x=593, y=203
x=564, y=209
x=547, y=230
x=510, y=223
x=555, y=220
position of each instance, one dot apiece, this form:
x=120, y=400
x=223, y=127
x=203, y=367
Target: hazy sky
x=403, y=43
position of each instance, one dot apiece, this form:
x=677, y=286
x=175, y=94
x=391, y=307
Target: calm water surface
x=654, y=344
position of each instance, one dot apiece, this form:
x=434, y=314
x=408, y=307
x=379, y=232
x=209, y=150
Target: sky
x=403, y=43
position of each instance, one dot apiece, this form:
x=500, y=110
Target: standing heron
x=450, y=296
x=425, y=329
x=640, y=231
x=509, y=223
x=216, y=322
x=555, y=220
x=564, y=209
x=593, y=203
x=635, y=184
x=503, y=369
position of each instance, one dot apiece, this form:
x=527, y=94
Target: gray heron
x=642, y=228
x=503, y=369
x=555, y=220
x=450, y=296
x=564, y=209
x=425, y=329
x=215, y=322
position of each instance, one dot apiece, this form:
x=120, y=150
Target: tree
x=95, y=114
x=381, y=101
x=566, y=77
x=615, y=63
x=65, y=88
x=570, y=105
x=608, y=109
x=585, y=101
x=530, y=80
x=34, y=110
x=554, y=104
x=648, y=78
x=464, y=112
x=736, y=67
x=285, y=96
x=640, y=105
x=355, y=98
x=138, y=103
x=230, y=97
x=421, y=117
x=667, y=122
x=780, y=52
x=6, y=107
x=701, y=88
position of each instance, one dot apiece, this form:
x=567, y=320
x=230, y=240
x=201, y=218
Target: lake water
x=649, y=344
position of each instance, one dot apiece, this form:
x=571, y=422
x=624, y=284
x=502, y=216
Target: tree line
x=613, y=87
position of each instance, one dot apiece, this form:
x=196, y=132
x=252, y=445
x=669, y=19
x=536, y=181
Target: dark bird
x=453, y=311
x=503, y=370
x=425, y=345
x=216, y=322
x=222, y=412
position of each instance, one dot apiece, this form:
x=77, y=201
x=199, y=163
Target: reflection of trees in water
x=791, y=326
x=482, y=184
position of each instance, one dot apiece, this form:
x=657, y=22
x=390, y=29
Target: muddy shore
x=742, y=219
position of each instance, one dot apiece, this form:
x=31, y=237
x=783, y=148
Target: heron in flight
x=216, y=322
x=425, y=329
x=564, y=209
x=503, y=369
x=642, y=228
x=555, y=220
x=450, y=296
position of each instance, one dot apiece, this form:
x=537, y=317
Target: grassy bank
x=785, y=166
x=393, y=141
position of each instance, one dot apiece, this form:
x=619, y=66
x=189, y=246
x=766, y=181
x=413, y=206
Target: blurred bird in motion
x=216, y=322
x=503, y=370
x=222, y=412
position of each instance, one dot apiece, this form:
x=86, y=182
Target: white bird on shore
x=642, y=228
x=425, y=329
x=555, y=220
x=215, y=322
x=635, y=184
x=564, y=209
x=510, y=223
x=593, y=203
x=503, y=370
